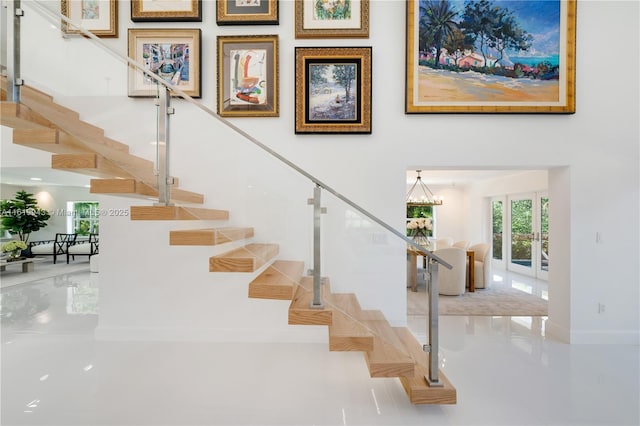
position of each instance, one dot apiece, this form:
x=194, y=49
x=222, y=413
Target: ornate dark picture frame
x=333, y=90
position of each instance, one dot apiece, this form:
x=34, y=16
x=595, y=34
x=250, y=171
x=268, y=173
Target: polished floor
x=505, y=369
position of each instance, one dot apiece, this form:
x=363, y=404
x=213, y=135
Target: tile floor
x=505, y=370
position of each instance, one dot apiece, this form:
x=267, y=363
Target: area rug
x=493, y=301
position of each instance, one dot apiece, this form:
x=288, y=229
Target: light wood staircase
x=38, y=122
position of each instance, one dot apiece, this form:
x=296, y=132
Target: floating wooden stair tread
x=244, y=259
x=138, y=189
x=89, y=164
x=277, y=281
x=388, y=357
x=416, y=386
x=208, y=237
x=300, y=310
x=176, y=213
x=34, y=132
x=346, y=332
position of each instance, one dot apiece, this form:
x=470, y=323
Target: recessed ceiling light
x=36, y=178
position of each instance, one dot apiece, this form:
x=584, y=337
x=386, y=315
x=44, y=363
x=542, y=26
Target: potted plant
x=22, y=216
x=13, y=249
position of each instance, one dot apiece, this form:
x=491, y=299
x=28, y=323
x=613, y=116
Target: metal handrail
x=247, y=136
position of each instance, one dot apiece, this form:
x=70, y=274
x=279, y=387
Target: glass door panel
x=528, y=227
x=542, y=237
x=497, y=232
x=521, y=227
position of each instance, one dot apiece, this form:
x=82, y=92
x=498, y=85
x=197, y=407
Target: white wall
x=590, y=153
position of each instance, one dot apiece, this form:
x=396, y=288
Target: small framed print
x=247, y=12
x=332, y=18
x=333, y=90
x=100, y=17
x=173, y=54
x=248, y=76
x=166, y=10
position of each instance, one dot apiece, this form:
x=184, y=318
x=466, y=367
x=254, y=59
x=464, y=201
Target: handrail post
x=165, y=180
x=11, y=14
x=316, y=303
x=432, y=324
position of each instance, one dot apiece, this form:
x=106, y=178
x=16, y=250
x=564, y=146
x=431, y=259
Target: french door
x=521, y=233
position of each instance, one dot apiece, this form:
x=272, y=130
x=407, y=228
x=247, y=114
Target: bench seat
x=89, y=248
x=55, y=248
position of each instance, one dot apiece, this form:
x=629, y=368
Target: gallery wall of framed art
x=452, y=65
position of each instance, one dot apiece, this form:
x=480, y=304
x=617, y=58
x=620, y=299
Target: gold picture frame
x=348, y=19
x=248, y=76
x=174, y=54
x=100, y=17
x=158, y=11
x=470, y=77
x=333, y=90
x=247, y=12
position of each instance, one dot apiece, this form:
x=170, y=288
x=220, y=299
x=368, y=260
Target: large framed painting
x=490, y=56
x=100, y=17
x=333, y=90
x=166, y=10
x=332, y=18
x=247, y=12
x=248, y=76
x=173, y=54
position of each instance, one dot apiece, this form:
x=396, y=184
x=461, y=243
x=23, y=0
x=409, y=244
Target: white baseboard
x=591, y=337
x=598, y=337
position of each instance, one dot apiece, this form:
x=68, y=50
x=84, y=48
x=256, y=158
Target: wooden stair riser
x=244, y=259
x=88, y=164
x=208, y=237
x=347, y=333
x=389, y=357
x=137, y=189
x=301, y=312
x=416, y=386
x=176, y=213
x=278, y=281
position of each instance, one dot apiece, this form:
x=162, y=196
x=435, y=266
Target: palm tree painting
x=489, y=52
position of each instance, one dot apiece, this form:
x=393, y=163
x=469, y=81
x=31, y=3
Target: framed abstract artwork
x=332, y=18
x=166, y=10
x=100, y=17
x=248, y=76
x=333, y=90
x=173, y=54
x=247, y=12
x=490, y=56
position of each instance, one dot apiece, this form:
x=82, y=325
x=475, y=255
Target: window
x=83, y=217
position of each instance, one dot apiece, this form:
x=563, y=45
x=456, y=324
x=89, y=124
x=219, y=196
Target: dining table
x=412, y=268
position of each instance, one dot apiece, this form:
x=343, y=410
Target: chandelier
x=421, y=195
